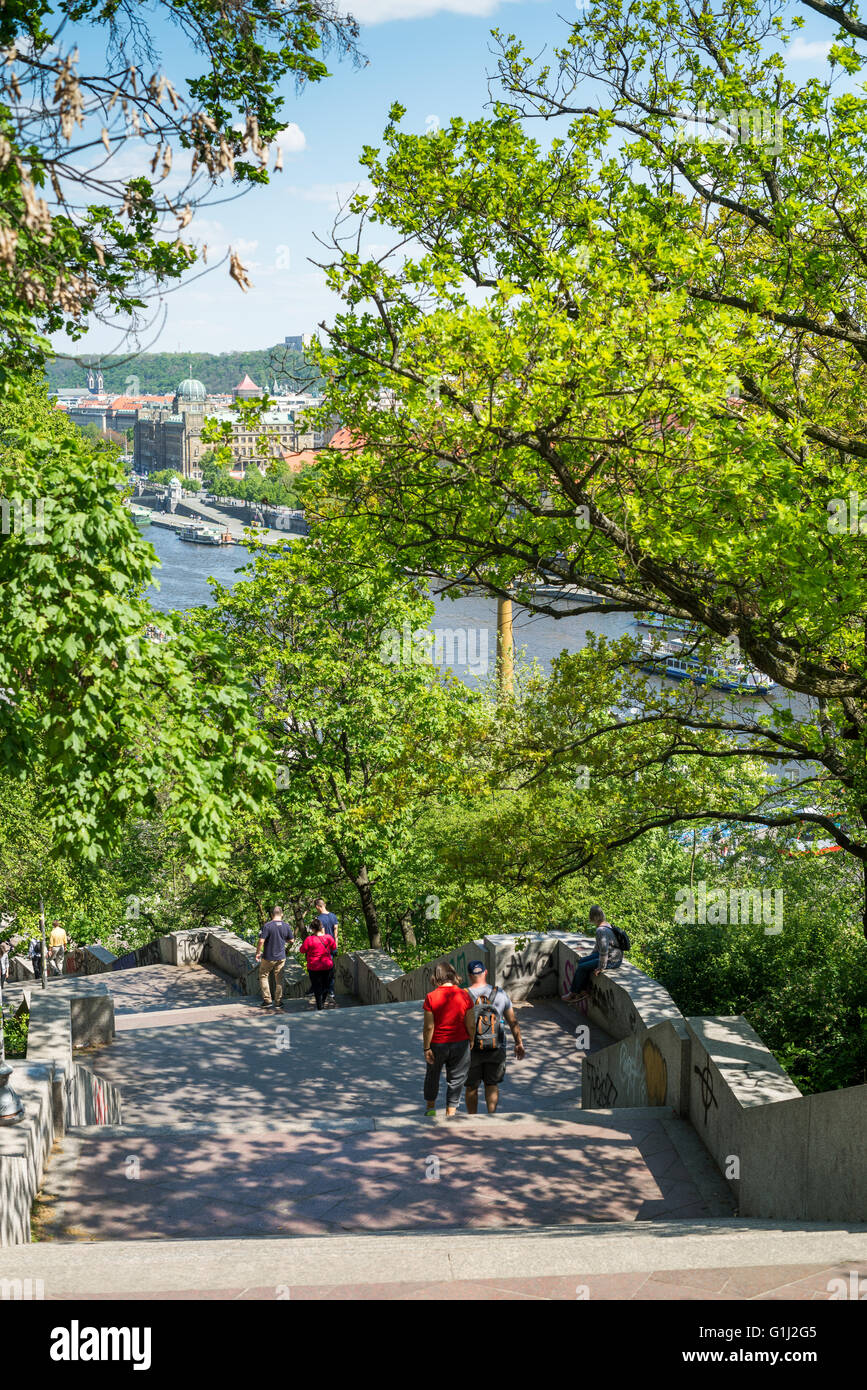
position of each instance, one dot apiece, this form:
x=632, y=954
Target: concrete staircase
x=286, y=1155
x=245, y=1123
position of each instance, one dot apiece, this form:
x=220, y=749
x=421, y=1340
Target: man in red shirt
x=449, y=1029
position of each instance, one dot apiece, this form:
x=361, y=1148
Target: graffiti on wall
x=190, y=946
x=630, y=1064
x=603, y=1092
x=708, y=1099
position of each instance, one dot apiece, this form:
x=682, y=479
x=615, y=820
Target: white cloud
x=291, y=139
x=805, y=50
x=380, y=11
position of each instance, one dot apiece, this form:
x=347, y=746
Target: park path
x=239, y=1122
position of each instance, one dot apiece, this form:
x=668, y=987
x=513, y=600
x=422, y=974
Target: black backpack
x=489, y=1026
x=621, y=937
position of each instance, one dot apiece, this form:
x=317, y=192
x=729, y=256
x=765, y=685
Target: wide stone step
x=737, y=1258
x=517, y=1171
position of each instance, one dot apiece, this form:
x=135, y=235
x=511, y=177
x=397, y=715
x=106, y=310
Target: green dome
x=191, y=390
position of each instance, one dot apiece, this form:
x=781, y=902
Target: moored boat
x=677, y=662
x=200, y=535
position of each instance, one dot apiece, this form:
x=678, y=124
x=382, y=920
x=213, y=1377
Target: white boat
x=200, y=535
x=676, y=661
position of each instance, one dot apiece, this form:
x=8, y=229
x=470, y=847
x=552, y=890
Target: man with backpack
x=494, y=1010
x=611, y=942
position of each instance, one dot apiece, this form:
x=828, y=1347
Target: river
x=464, y=629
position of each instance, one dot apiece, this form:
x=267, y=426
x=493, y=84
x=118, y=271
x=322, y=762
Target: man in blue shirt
x=330, y=922
x=271, y=957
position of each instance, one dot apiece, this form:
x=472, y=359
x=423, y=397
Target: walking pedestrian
x=331, y=928
x=493, y=1009
x=5, y=957
x=319, y=948
x=271, y=957
x=449, y=1027
x=57, y=943
x=34, y=955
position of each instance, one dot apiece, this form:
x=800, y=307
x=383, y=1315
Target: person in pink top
x=319, y=948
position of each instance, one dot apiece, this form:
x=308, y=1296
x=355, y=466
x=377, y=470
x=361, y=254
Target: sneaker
x=311, y=1002
x=265, y=1005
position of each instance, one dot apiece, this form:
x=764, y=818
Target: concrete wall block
x=376, y=973
x=91, y=1099
x=419, y=982
x=96, y=960
x=186, y=947
x=20, y=969
x=15, y=1200
x=525, y=973
x=23, y=1151
x=295, y=979
x=92, y=1018
x=644, y=1069
x=49, y=1035
x=234, y=956
x=346, y=972
x=150, y=953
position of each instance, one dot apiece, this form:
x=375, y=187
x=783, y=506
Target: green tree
x=362, y=734
x=114, y=723
x=78, y=235
x=631, y=365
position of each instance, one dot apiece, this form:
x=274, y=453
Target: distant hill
x=159, y=372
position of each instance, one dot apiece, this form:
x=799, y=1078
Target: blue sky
x=431, y=55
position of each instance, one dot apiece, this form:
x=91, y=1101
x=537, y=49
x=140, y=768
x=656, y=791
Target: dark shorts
x=489, y=1067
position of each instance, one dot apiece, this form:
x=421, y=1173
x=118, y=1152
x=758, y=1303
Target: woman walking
x=449, y=1028
x=319, y=948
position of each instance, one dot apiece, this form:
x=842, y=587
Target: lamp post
x=44, y=948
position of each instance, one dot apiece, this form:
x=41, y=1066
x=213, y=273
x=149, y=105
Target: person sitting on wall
x=607, y=956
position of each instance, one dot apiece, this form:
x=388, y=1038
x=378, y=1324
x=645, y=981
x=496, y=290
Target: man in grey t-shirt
x=607, y=956
x=488, y=1064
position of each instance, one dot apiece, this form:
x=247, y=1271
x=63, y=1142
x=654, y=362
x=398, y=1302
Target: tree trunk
x=407, y=929
x=368, y=907
x=298, y=916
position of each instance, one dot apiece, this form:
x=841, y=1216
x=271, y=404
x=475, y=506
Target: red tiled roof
x=246, y=384
x=136, y=402
x=345, y=439
x=300, y=459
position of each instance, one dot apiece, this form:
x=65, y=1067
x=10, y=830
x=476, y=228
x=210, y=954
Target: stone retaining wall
x=56, y=1091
